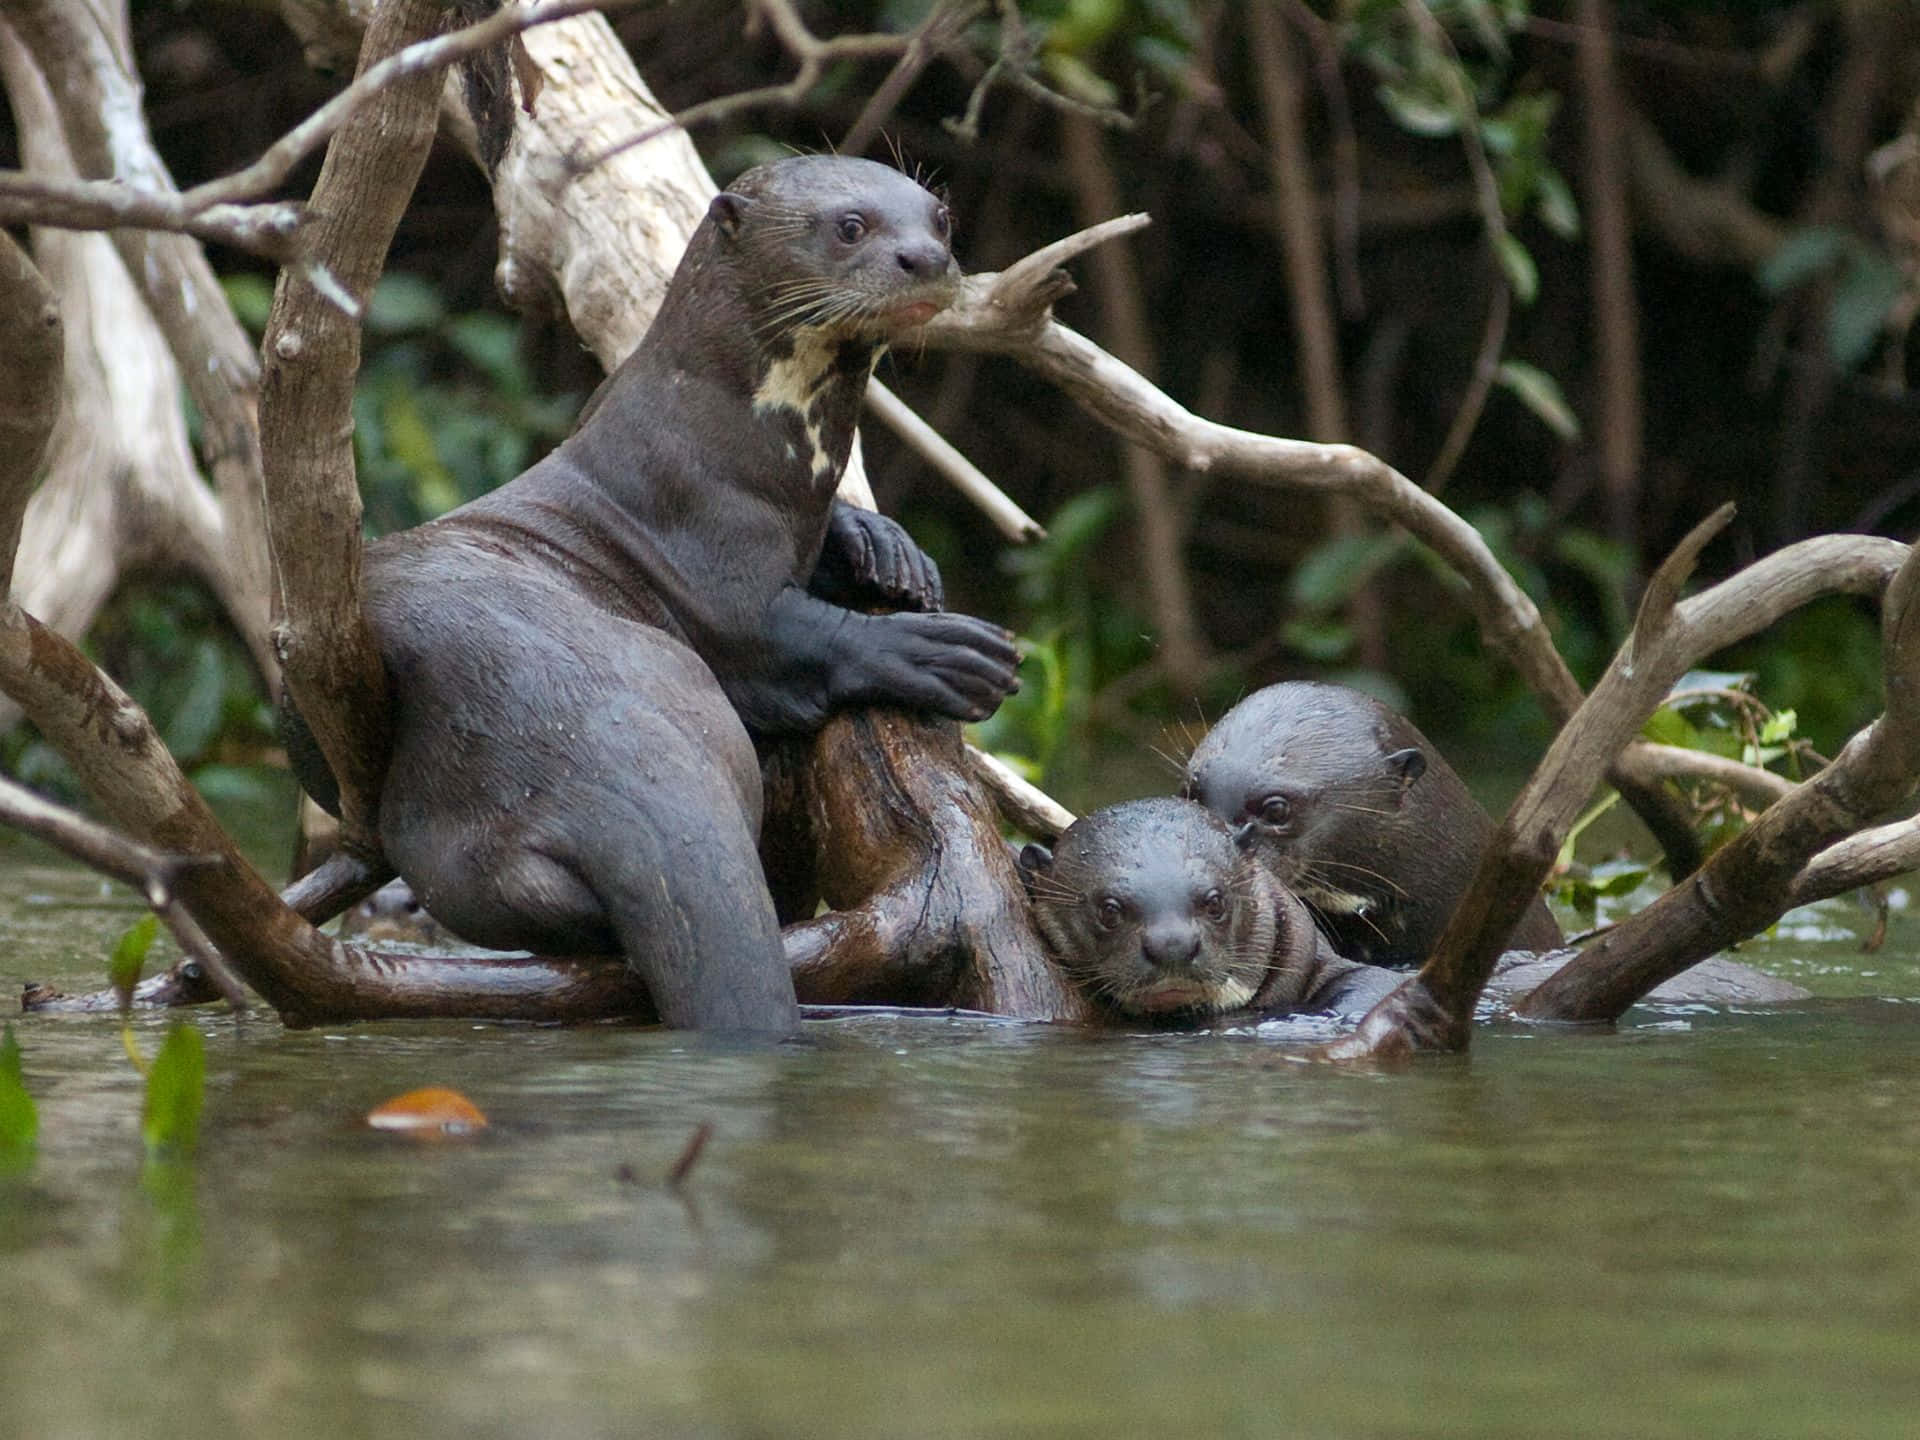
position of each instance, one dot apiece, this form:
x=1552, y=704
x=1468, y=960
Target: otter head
x=1155, y=910
x=801, y=273
x=831, y=244
x=1308, y=775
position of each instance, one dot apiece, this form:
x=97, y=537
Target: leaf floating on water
x=428, y=1113
x=19, y=1120
x=176, y=1086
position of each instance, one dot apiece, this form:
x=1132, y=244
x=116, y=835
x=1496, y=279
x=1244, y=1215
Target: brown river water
x=1705, y=1223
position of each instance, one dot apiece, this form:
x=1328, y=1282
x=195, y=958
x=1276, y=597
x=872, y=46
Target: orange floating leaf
x=429, y=1112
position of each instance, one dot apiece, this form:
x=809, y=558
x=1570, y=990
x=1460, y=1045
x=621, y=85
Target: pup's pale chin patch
x=1171, y=996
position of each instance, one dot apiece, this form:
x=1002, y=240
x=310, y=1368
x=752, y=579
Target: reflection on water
x=1701, y=1225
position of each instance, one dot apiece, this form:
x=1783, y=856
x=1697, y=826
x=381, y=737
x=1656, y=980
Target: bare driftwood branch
x=1434, y=1010
x=122, y=492
x=1778, y=860
x=1009, y=519
x=1868, y=857
x=82, y=48
x=1010, y=314
x=1754, y=785
x=33, y=339
x=333, y=668
x=216, y=210
x=1026, y=807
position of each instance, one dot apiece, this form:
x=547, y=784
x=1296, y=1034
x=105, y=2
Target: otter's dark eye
x=1109, y=912
x=1277, y=811
x=1214, y=905
x=850, y=229
x=942, y=222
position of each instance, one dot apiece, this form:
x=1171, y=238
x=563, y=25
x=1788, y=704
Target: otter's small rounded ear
x=1409, y=764
x=727, y=211
x=1034, y=861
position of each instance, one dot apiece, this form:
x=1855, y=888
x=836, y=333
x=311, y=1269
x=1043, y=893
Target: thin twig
x=1007, y=517
x=690, y=1155
x=1486, y=366
x=945, y=21
x=211, y=211
x=152, y=872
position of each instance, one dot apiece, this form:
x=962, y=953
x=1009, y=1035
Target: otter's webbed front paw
x=953, y=665
x=815, y=657
x=869, y=560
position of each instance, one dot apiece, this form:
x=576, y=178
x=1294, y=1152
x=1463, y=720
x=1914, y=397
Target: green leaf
x=19, y=1120
x=402, y=303
x=1667, y=726
x=1077, y=80
x=1419, y=111
x=1321, y=640
x=195, y=720
x=1554, y=204
x=1858, y=313
x=491, y=344
x=1800, y=255
x=1333, y=571
x=251, y=297
x=1540, y=393
x=1779, y=728
x=130, y=955
x=1522, y=274
x=176, y=1088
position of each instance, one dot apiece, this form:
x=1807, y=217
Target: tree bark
x=333, y=670
x=121, y=493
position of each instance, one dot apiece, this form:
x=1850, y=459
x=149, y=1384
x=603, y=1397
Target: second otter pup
x=1353, y=808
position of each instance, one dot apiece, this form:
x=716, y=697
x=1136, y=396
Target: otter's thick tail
x=690, y=908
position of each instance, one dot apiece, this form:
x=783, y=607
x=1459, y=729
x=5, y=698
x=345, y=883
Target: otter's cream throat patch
x=794, y=382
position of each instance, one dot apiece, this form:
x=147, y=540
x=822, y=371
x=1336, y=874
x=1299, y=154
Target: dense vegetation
x=1453, y=152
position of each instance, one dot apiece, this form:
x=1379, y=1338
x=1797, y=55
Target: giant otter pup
x=1156, y=911
x=572, y=655
x=1351, y=807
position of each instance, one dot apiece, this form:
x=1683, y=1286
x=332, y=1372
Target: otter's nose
x=1171, y=943
x=923, y=259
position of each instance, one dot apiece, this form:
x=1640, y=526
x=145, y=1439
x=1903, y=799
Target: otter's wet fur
x=1156, y=912
x=1350, y=806
x=576, y=660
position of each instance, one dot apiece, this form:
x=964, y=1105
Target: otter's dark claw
x=869, y=560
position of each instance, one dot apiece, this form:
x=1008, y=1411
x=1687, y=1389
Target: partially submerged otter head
x=1311, y=776
x=835, y=244
x=1155, y=910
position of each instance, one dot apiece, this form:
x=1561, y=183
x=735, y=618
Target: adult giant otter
x=1159, y=911
x=1352, y=807
x=572, y=655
